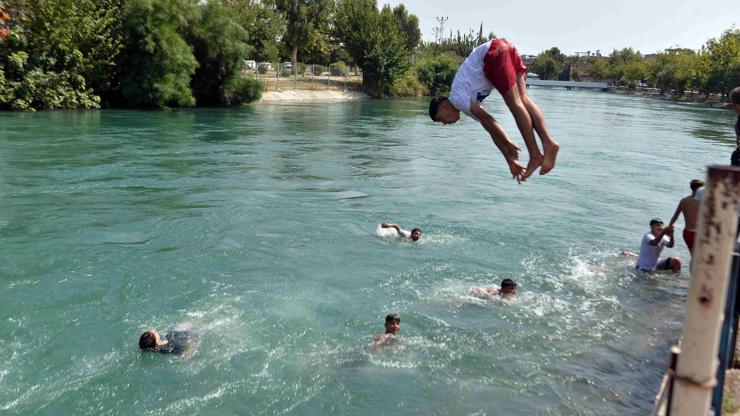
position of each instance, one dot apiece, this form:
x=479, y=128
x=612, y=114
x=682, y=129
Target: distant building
x=528, y=59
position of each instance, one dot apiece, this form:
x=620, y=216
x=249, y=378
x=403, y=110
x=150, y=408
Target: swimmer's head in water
x=442, y=110
x=149, y=340
x=508, y=287
x=416, y=234
x=392, y=323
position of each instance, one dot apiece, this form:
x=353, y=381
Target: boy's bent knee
x=675, y=264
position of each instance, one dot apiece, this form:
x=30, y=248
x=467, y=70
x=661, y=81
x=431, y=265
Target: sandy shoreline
x=310, y=95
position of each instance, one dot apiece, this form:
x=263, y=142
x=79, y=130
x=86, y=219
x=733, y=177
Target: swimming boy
x=413, y=235
x=652, y=245
x=508, y=289
x=497, y=64
x=176, y=341
x=689, y=206
x=392, y=326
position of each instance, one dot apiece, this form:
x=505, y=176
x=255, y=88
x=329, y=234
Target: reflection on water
x=257, y=225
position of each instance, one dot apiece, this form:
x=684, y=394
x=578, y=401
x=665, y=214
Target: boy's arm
x=658, y=238
x=509, y=150
x=389, y=225
x=679, y=208
x=671, y=240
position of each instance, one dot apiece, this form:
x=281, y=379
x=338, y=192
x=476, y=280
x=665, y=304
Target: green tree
x=461, y=45
x=673, y=69
x=549, y=64
x=306, y=19
x=437, y=73
x=57, y=52
x=408, y=25
x=626, y=66
x=375, y=42
x=388, y=60
x=599, y=68
x=220, y=46
x=718, y=69
x=264, y=26
x=356, y=25
x=157, y=62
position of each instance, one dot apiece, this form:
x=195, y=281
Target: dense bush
x=56, y=51
x=220, y=47
x=436, y=73
x=338, y=69
x=262, y=68
x=285, y=73
x=157, y=62
x=408, y=86
x=318, y=69
x=242, y=90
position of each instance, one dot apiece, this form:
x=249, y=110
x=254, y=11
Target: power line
x=441, y=29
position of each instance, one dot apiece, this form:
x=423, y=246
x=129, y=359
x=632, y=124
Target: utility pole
x=441, y=30
x=436, y=34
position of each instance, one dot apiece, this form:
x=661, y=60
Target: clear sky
x=582, y=25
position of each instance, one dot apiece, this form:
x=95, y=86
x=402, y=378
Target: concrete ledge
x=310, y=95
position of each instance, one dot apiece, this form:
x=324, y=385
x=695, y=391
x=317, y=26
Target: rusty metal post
x=694, y=378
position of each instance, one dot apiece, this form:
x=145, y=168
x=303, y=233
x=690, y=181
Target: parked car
x=287, y=65
x=267, y=65
x=250, y=64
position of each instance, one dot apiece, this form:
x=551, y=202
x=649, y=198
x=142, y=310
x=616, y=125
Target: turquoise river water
x=257, y=225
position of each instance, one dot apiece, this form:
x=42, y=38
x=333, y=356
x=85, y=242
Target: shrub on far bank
x=318, y=69
x=242, y=90
x=437, y=73
x=338, y=69
x=408, y=86
x=262, y=69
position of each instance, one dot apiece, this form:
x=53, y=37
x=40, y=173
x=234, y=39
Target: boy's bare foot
x=534, y=163
x=551, y=153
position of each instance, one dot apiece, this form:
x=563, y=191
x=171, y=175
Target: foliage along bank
x=123, y=53
x=177, y=53
x=713, y=69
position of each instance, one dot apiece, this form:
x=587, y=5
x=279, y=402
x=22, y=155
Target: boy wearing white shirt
x=497, y=64
x=652, y=245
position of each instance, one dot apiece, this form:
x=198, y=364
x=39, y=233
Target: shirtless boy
x=508, y=289
x=392, y=326
x=413, y=235
x=497, y=64
x=689, y=207
x=179, y=340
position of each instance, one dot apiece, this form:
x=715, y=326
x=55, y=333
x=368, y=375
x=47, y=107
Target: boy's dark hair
x=434, y=105
x=416, y=229
x=147, y=341
x=735, y=95
x=507, y=283
x=696, y=184
x=656, y=221
x=392, y=317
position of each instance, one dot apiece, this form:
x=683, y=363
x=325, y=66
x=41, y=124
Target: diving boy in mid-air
x=497, y=64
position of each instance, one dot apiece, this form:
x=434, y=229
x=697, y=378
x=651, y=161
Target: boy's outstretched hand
x=517, y=170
